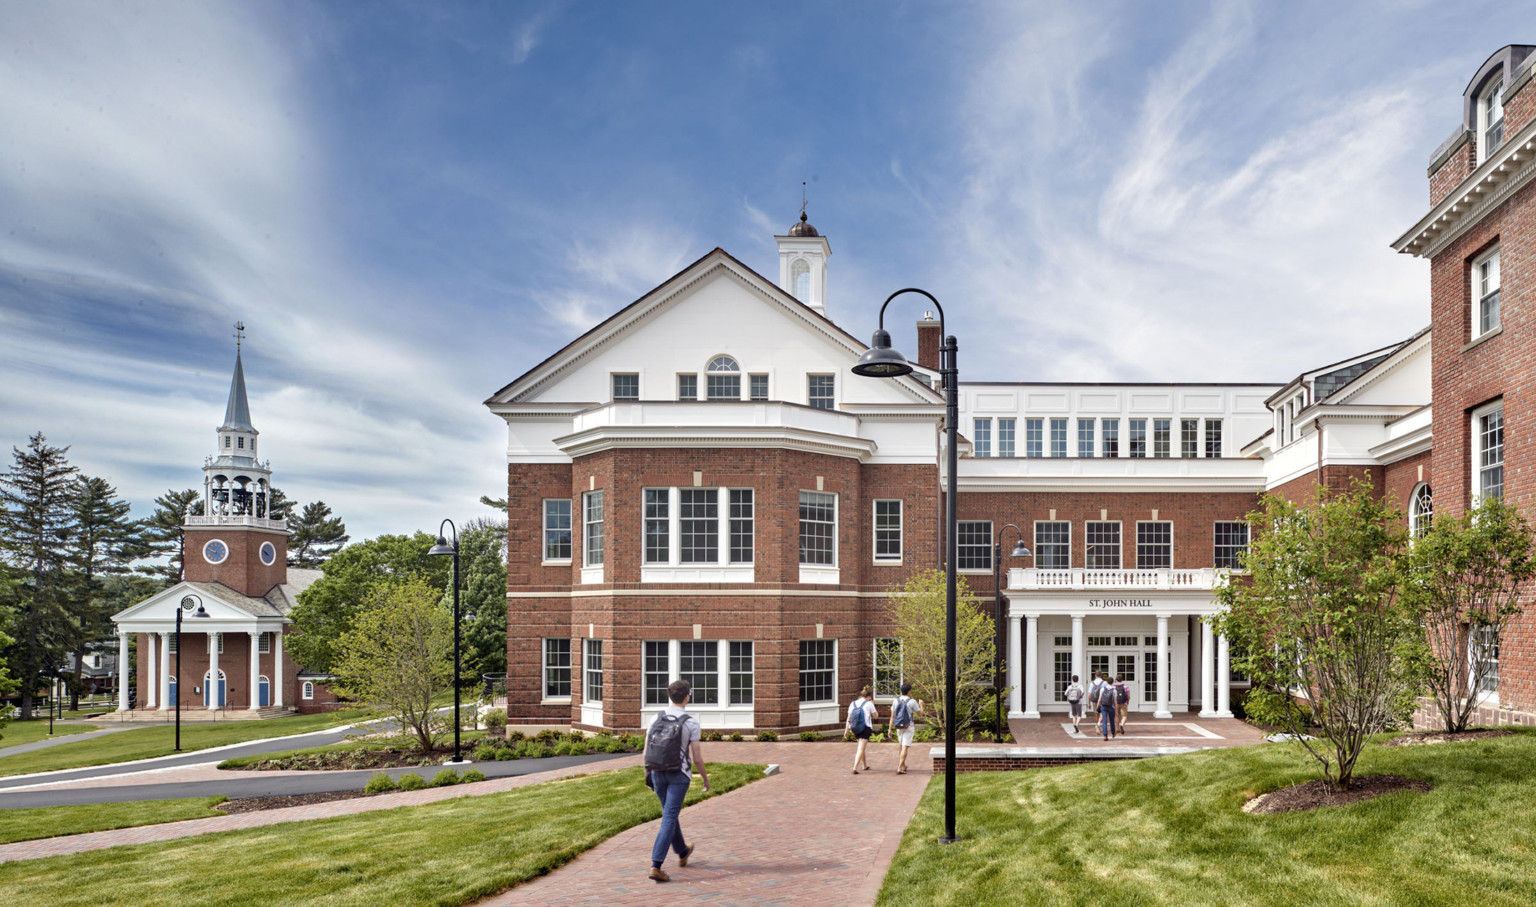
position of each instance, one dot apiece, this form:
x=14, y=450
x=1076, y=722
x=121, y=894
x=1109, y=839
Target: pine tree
x=102, y=542
x=278, y=505
x=35, y=518
x=314, y=535
x=163, y=533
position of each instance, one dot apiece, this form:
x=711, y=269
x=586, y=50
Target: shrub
x=486, y=752
x=564, y=748
x=532, y=749
x=472, y=776
x=925, y=734
x=380, y=783
x=412, y=781
x=736, y=737
x=504, y=753
x=577, y=736
x=604, y=732
x=766, y=736
x=548, y=736
x=810, y=736
x=633, y=742
x=495, y=718
x=607, y=745
x=445, y=778
x=713, y=736
x=877, y=738
x=515, y=736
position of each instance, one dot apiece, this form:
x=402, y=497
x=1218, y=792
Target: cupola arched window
x=800, y=279
x=1421, y=510
x=722, y=379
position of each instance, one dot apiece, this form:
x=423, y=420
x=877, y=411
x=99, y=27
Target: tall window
x=740, y=672
x=687, y=387
x=699, y=664
x=557, y=529
x=699, y=525
x=722, y=379
x=1102, y=541
x=974, y=539
x=1488, y=450
x=1231, y=541
x=1161, y=430
x=818, y=670
x=1058, y=437
x=1483, y=641
x=1213, y=439
x=1085, y=437
x=1033, y=441
x=592, y=528
x=1006, y=429
x=887, y=661
x=658, y=526
x=557, y=669
x=819, y=390
x=263, y=647
x=888, y=532
x=592, y=670
x=1421, y=510
x=1138, y=437
x=626, y=386
x=982, y=438
x=1053, y=545
x=1189, y=438
x=657, y=673
x=818, y=528
x=1154, y=545
x=700, y=529
x=1063, y=672
x=1111, y=438
x=758, y=386
x=1149, y=675
x=1485, y=287
x=1490, y=119
x=742, y=521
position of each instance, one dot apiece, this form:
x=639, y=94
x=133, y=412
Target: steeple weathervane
x=240, y=326
x=802, y=199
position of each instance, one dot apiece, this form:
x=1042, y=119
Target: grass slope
x=159, y=740
x=16, y=733
x=31, y=823
x=1171, y=831
x=449, y=853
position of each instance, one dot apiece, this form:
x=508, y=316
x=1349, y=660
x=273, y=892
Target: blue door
x=208, y=688
x=170, y=697
x=266, y=692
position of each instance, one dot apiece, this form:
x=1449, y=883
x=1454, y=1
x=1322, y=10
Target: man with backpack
x=904, y=722
x=672, y=750
x=861, y=721
x=1122, y=704
x=1104, y=701
x=1074, y=693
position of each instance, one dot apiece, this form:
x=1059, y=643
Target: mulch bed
x=346, y=761
x=1426, y=738
x=1314, y=794
x=254, y=804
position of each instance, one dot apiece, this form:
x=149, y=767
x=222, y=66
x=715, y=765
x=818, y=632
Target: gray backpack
x=664, y=744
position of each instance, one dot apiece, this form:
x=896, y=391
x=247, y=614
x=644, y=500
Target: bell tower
x=803, y=254
x=235, y=541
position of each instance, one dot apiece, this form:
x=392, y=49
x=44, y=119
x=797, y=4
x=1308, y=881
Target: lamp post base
x=944, y=839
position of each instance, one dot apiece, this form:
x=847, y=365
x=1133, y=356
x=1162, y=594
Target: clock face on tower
x=215, y=552
x=268, y=553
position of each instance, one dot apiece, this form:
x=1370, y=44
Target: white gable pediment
x=229, y=612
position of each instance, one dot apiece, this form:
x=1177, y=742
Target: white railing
x=1200, y=578
x=229, y=519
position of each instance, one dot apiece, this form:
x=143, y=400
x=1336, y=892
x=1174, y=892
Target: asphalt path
x=242, y=784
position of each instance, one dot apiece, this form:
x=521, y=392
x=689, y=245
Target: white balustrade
x=1200, y=578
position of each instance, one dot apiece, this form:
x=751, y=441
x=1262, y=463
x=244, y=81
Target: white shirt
x=691, y=732
x=869, y=712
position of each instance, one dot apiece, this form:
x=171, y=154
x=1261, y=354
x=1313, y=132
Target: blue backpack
x=901, y=717
x=856, y=721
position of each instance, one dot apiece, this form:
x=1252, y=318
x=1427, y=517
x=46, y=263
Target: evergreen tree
x=163, y=535
x=278, y=505
x=314, y=536
x=36, y=515
x=102, y=542
x=483, y=573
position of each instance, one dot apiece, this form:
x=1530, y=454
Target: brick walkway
x=1141, y=730
x=814, y=833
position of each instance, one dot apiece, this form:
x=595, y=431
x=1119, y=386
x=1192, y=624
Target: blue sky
x=409, y=204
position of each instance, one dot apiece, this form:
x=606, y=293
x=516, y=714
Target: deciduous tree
x=917, y=611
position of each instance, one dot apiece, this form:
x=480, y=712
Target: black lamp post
x=1000, y=620
x=444, y=547
x=881, y=361
x=188, y=602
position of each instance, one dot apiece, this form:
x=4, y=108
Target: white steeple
x=803, y=263
x=235, y=482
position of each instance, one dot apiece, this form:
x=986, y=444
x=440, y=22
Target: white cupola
x=803, y=264
x=235, y=482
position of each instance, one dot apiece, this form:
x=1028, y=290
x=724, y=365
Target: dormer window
x=1485, y=292
x=722, y=379
x=1490, y=119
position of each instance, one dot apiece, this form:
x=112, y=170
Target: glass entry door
x=1125, y=671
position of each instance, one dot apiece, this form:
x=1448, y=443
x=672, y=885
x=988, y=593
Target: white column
x=149, y=684
x=165, y=673
x=255, y=688
x=123, y=667
x=211, y=690
x=1164, y=676
x=1015, y=657
x=277, y=668
x=1223, y=678
x=1207, y=662
x=1032, y=666
x=1079, y=650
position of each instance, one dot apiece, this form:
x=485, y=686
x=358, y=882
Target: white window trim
x=721, y=714
x=836, y=670
x=1121, y=546
x=981, y=447
x=674, y=570
x=544, y=672
x=901, y=537
x=1139, y=524
x=263, y=644
x=991, y=549
x=1036, y=540
x=1248, y=540
x=808, y=377
x=590, y=572
x=639, y=385
x=1492, y=88
x=1476, y=447
x=586, y=668
x=901, y=667
x=1476, y=309
x=307, y=691
x=822, y=573
x=544, y=535
x=1413, y=508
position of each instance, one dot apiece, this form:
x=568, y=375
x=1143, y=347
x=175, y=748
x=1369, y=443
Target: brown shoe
x=683, y=860
x=658, y=876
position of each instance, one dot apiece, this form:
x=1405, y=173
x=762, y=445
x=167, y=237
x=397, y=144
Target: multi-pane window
x=658, y=526
x=1102, y=545
x=592, y=670
x=1111, y=438
x=1213, y=439
x=1189, y=438
x=974, y=539
x=1485, y=284
x=1034, y=431
x=741, y=525
x=687, y=387
x=982, y=438
x=1085, y=437
x=758, y=386
x=818, y=528
x=1138, y=437
x=657, y=673
x=818, y=670
x=740, y=672
x=1488, y=426
x=592, y=528
x=699, y=525
x=1162, y=429
x=1149, y=676
x=1006, y=430
x=626, y=386
x=819, y=390
x=1421, y=510
x=1231, y=541
x=1053, y=545
x=1490, y=119
x=699, y=664
x=1063, y=673
x=722, y=379
x=1483, y=641
x=557, y=669
x=263, y=647
x=887, y=661
x=1058, y=437
x=888, y=531
x=1154, y=545
x=557, y=529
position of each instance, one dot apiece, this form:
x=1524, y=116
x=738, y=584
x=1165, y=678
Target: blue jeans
x=671, y=788
x=1107, y=720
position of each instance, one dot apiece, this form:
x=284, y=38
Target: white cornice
x=1490, y=185
x=1409, y=444
x=610, y=437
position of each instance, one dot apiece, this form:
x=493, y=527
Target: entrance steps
x=168, y=716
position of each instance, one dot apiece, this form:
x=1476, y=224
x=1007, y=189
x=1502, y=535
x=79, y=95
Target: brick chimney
x=928, y=342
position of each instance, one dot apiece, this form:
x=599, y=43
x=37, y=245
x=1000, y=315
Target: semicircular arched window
x=800, y=280
x=722, y=379
x=1421, y=510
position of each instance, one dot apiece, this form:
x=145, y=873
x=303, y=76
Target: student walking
x=1075, y=701
x=672, y=750
x=1104, y=701
x=861, y=721
x=1122, y=704
x=904, y=721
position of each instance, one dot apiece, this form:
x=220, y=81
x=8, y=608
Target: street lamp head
x=881, y=360
x=201, y=611
x=442, y=547
x=1020, y=551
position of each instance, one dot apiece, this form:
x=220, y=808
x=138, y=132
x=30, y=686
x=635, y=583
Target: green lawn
x=159, y=740
x=1171, y=831
x=453, y=852
x=15, y=733
x=51, y=821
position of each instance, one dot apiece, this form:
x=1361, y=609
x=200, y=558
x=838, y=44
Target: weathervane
x=802, y=197
x=239, y=334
